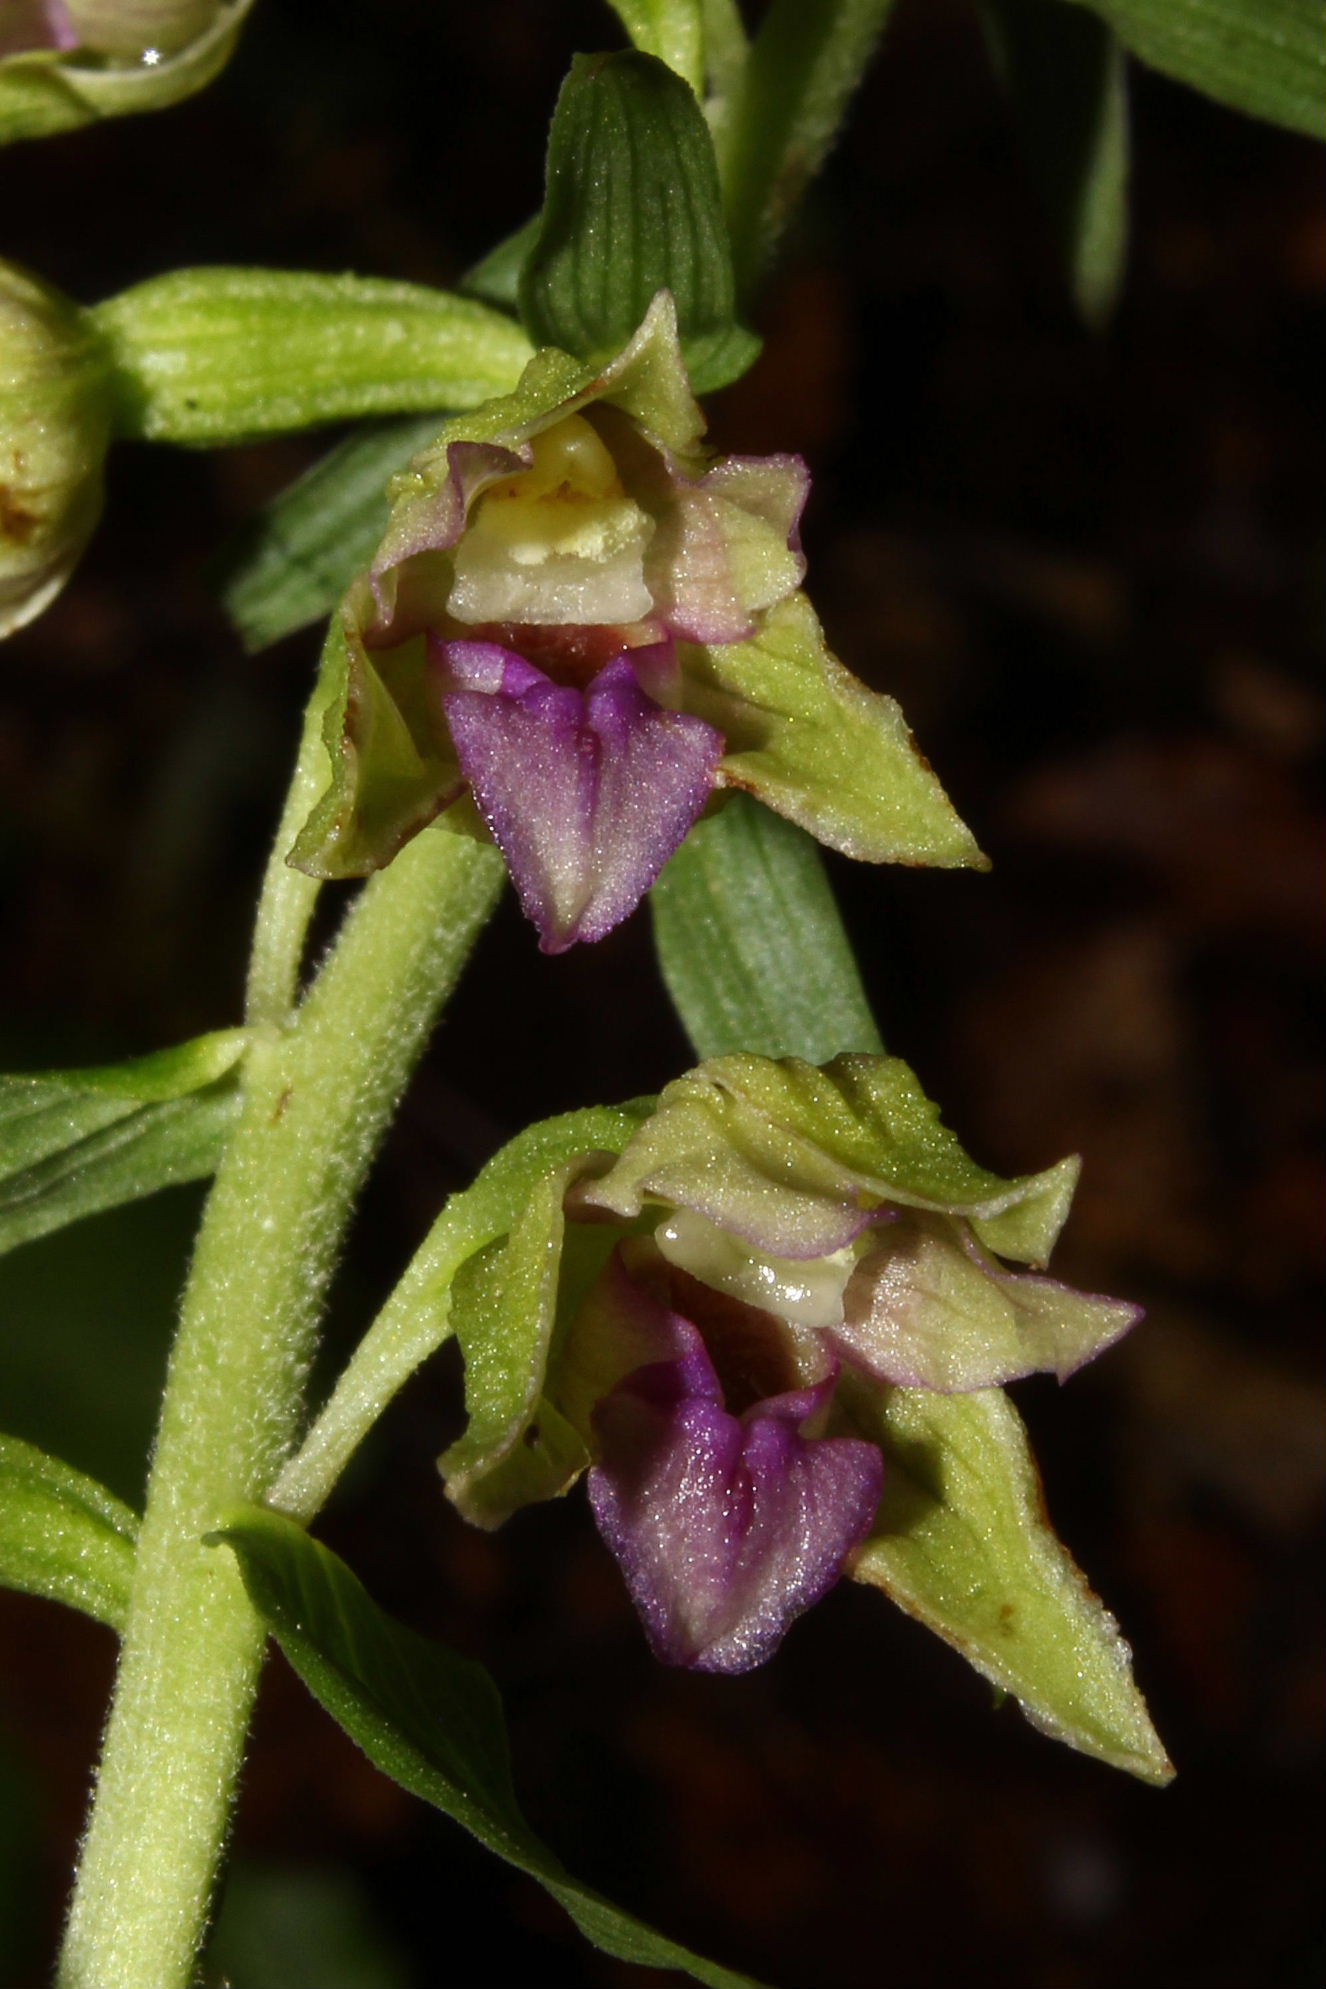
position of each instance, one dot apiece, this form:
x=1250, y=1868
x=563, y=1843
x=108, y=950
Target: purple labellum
x=586, y=793
x=726, y=1528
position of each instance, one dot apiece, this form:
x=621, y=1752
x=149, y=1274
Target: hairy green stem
x=317, y=1097
x=288, y=896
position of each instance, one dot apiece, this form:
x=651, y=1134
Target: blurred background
x=1089, y=567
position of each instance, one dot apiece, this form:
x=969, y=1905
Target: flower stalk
x=317, y=1097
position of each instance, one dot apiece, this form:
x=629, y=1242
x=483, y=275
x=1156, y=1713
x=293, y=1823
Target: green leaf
x=804, y=64
x=417, y=1318
x=306, y=546
x=73, y=1142
x=63, y=1535
x=430, y=1720
x=495, y=278
x=673, y=30
x=1066, y=76
x=46, y=92
x=632, y=207
x=1265, y=57
x=751, y=945
x=963, y=1544
x=208, y=356
x=806, y=736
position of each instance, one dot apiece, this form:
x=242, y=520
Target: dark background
x=1089, y=568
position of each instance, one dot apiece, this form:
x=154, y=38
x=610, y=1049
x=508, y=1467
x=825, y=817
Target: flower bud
x=55, y=423
x=65, y=63
x=127, y=30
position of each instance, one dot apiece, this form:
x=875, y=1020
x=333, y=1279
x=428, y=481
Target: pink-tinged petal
x=926, y=1308
x=586, y=794
x=431, y=504
x=726, y=1529
x=33, y=24
x=727, y=545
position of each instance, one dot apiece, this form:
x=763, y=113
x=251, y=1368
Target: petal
x=430, y=502
x=796, y=1158
x=725, y=1529
x=727, y=546
x=725, y=543
x=926, y=1308
x=805, y=1291
x=587, y=794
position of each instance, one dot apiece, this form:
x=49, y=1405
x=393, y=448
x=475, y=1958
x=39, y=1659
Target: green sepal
x=750, y=943
x=64, y=1536
x=632, y=206
x=962, y=1543
x=45, y=92
x=507, y=1304
x=392, y=764
x=1066, y=78
x=212, y=356
x=503, y=1305
x=296, y=560
x=429, y=1719
x=774, y=1144
x=1265, y=57
x=808, y=739
x=419, y=1316
x=73, y=1142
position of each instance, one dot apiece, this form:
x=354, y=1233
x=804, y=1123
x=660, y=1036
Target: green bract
x=801, y=734
x=55, y=425
x=632, y=207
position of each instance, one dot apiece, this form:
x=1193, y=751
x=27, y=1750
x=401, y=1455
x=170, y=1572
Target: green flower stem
x=288, y=896
x=317, y=1097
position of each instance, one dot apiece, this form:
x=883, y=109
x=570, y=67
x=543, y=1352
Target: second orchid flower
x=708, y=1322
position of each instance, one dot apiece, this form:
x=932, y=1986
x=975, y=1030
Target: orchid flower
x=590, y=626
x=708, y=1318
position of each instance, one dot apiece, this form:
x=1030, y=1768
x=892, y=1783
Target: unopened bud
x=64, y=63
x=135, y=30
x=55, y=423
